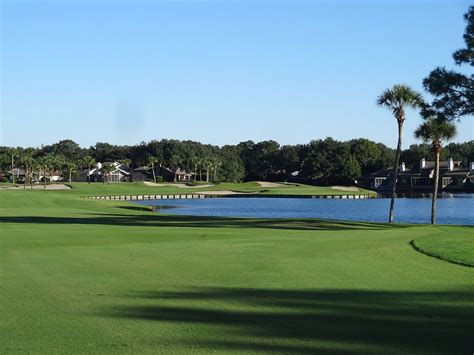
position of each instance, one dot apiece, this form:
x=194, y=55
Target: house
x=16, y=174
x=142, y=173
x=182, y=175
x=452, y=176
x=120, y=173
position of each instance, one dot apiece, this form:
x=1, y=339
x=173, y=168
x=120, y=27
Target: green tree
x=195, y=161
x=152, y=161
x=207, y=164
x=232, y=168
x=215, y=163
x=27, y=161
x=69, y=166
x=175, y=162
x=397, y=100
x=454, y=91
x=89, y=162
x=435, y=131
x=106, y=169
x=12, y=153
x=47, y=164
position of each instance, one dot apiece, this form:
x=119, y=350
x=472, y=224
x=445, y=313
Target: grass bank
x=137, y=188
x=90, y=276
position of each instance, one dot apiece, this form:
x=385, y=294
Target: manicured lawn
x=94, y=276
x=248, y=187
x=458, y=248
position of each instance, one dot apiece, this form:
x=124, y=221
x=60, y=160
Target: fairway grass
x=96, y=276
x=453, y=248
x=139, y=188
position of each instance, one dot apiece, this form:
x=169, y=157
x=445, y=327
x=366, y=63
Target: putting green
x=89, y=276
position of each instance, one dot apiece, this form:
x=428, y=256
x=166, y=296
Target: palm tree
x=195, y=161
x=397, y=100
x=36, y=165
x=200, y=164
x=207, y=163
x=175, y=161
x=152, y=161
x=69, y=166
x=27, y=162
x=88, y=161
x=46, y=162
x=215, y=164
x=12, y=152
x=106, y=170
x=434, y=130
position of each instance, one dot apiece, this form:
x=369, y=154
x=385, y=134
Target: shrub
x=159, y=179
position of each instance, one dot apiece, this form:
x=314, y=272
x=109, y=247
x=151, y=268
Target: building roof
x=142, y=169
x=16, y=171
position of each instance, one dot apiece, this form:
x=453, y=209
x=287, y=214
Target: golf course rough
x=95, y=276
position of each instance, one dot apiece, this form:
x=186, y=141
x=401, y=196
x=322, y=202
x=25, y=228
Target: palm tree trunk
x=70, y=175
x=26, y=178
x=435, y=189
x=89, y=174
x=13, y=171
x=207, y=174
x=200, y=174
x=44, y=176
x=215, y=173
x=395, y=172
x=153, y=168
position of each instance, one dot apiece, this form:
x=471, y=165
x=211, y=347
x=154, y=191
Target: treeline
x=323, y=161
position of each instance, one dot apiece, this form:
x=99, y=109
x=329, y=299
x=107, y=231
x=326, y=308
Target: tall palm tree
x=46, y=162
x=195, y=161
x=106, y=170
x=36, y=165
x=434, y=130
x=88, y=161
x=152, y=161
x=215, y=164
x=207, y=164
x=175, y=161
x=12, y=152
x=69, y=166
x=397, y=100
x=27, y=162
x=200, y=165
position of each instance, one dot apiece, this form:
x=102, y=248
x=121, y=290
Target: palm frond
x=436, y=129
x=400, y=97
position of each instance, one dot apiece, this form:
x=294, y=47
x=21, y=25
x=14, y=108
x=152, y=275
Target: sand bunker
x=181, y=186
x=40, y=187
x=224, y=193
x=271, y=184
x=346, y=188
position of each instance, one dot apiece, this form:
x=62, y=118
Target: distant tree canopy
x=323, y=161
x=454, y=91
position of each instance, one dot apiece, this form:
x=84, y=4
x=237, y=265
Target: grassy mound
x=455, y=248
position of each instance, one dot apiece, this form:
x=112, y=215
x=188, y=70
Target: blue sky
x=218, y=72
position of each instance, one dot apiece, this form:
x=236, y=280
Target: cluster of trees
x=453, y=94
x=323, y=161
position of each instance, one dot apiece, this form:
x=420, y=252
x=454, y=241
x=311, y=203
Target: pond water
x=452, y=208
